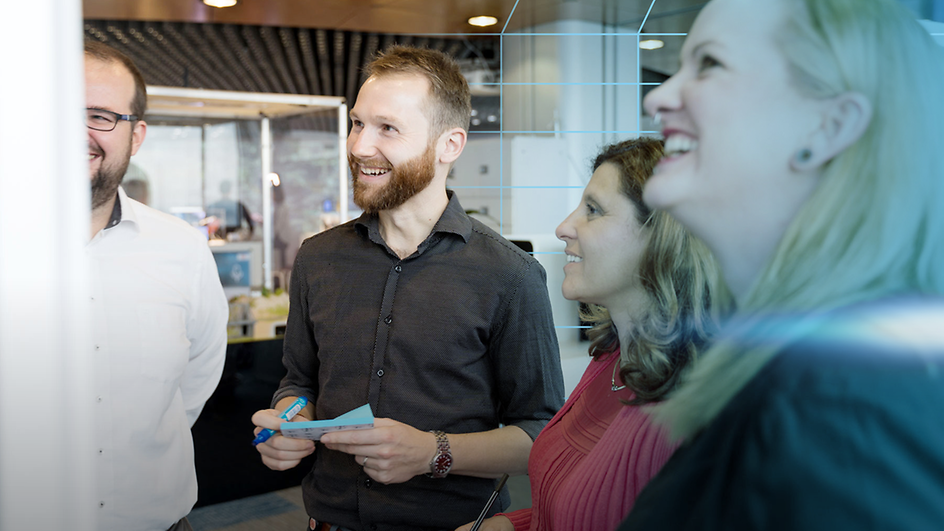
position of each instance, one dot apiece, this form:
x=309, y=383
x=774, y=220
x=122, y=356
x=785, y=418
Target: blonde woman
x=803, y=145
x=655, y=294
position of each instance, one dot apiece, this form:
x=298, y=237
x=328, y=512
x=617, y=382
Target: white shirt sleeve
x=206, y=330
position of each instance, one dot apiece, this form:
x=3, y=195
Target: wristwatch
x=441, y=463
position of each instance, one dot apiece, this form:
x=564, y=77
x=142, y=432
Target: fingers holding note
x=280, y=453
x=396, y=452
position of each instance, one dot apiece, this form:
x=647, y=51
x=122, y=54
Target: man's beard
x=106, y=180
x=405, y=181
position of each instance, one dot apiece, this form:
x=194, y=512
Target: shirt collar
x=122, y=211
x=454, y=220
x=115, y=213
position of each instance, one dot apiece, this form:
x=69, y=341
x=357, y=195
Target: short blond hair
x=448, y=89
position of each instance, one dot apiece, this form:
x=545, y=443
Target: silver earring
x=804, y=155
x=657, y=119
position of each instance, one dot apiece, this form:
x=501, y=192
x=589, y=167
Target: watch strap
x=441, y=462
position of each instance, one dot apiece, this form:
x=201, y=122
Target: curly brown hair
x=680, y=277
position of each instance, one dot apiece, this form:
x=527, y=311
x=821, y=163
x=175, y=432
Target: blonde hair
x=874, y=226
x=680, y=277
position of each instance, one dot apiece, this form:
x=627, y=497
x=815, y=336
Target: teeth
x=572, y=259
x=678, y=144
x=373, y=173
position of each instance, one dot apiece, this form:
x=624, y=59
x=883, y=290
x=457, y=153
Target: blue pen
x=286, y=416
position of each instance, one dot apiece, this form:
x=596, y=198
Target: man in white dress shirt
x=158, y=320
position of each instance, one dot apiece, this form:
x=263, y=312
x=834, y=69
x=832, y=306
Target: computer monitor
x=193, y=216
x=240, y=266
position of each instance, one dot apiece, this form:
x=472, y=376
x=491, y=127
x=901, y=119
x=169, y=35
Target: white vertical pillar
x=266, y=138
x=342, y=162
x=46, y=467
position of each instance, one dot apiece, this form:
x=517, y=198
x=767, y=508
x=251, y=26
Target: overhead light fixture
x=220, y=3
x=483, y=21
x=651, y=44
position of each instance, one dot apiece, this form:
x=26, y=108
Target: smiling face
x=109, y=86
x=605, y=244
x=733, y=122
x=390, y=151
x=403, y=181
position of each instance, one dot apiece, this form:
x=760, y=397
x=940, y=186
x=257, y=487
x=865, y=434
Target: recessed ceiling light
x=651, y=44
x=220, y=3
x=483, y=21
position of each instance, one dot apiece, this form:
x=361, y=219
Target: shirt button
x=388, y=319
x=99, y=399
x=101, y=504
x=100, y=451
x=380, y=373
x=398, y=268
x=97, y=347
x=368, y=483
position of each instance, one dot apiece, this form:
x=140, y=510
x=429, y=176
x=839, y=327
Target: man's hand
x=395, y=452
x=280, y=453
x=495, y=523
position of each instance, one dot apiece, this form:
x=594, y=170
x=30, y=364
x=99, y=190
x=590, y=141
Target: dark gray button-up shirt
x=457, y=337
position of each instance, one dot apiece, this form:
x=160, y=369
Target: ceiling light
x=483, y=21
x=651, y=44
x=220, y=3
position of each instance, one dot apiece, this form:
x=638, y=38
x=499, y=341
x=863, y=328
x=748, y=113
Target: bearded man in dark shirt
x=436, y=321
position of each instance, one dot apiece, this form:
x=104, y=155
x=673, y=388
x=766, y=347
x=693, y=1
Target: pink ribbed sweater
x=574, y=487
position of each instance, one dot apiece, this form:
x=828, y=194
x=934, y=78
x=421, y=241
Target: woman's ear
x=845, y=119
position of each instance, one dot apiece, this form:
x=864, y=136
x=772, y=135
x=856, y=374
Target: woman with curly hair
x=654, y=294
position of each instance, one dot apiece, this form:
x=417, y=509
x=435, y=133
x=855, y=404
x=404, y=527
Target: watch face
x=443, y=463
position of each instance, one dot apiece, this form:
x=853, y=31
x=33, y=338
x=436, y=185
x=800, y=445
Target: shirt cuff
x=292, y=391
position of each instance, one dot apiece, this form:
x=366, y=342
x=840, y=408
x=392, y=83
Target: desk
x=261, y=330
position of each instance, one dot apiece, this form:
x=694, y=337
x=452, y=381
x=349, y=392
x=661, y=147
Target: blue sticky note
x=361, y=418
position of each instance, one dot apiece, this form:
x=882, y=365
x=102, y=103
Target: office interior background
x=552, y=81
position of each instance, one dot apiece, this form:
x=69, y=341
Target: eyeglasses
x=102, y=120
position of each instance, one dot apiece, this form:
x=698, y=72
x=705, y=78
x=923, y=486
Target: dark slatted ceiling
x=262, y=58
